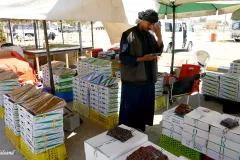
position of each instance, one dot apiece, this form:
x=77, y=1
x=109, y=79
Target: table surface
x=53, y=51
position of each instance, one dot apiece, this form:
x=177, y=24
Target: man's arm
x=159, y=43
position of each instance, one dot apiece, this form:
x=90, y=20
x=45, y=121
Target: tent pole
x=10, y=30
x=80, y=37
x=35, y=34
x=39, y=46
x=173, y=39
x=62, y=31
x=48, y=57
x=92, y=34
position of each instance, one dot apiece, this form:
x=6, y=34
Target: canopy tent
x=118, y=11
x=193, y=8
x=236, y=15
x=115, y=30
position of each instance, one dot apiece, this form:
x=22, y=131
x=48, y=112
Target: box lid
x=104, y=147
x=201, y=118
x=170, y=156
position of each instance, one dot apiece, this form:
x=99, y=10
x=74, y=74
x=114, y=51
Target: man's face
x=147, y=25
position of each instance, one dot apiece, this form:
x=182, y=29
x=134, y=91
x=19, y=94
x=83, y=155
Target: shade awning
x=118, y=11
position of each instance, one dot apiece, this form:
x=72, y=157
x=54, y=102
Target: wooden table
x=53, y=52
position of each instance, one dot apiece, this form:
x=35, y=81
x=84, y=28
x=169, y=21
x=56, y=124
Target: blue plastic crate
x=67, y=96
x=47, y=89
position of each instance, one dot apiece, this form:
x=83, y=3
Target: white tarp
x=115, y=30
x=118, y=11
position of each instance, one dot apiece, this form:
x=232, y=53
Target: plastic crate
x=107, y=122
x=81, y=109
x=160, y=102
x=2, y=113
x=67, y=96
x=47, y=89
x=176, y=148
x=15, y=140
x=57, y=153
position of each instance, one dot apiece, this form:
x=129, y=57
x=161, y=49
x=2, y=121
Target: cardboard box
x=172, y=117
x=172, y=127
x=44, y=148
x=224, y=142
x=31, y=134
x=195, y=139
x=224, y=151
x=194, y=146
x=104, y=147
x=170, y=156
x=215, y=155
x=198, y=132
x=220, y=131
x=172, y=134
x=201, y=118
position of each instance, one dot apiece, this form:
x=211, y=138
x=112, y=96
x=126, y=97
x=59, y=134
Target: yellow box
x=81, y=109
x=15, y=140
x=107, y=122
x=2, y=112
x=160, y=102
x=57, y=153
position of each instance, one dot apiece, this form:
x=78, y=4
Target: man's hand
x=158, y=58
x=157, y=30
x=147, y=57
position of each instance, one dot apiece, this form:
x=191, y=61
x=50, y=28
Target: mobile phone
x=158, y=23
x=157, y=54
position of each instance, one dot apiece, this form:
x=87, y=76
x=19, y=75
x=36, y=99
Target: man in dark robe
x=139, y=71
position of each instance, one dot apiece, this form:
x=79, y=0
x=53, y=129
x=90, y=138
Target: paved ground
x=75, y=140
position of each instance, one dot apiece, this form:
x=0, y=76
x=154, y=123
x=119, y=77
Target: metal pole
x=80, y=37
x=225, y=23
x=35, y=34
x=48, y=56
x=173, y=39
x=62, y=32
x=92, y=34
x=38, y=35
x=10, y=30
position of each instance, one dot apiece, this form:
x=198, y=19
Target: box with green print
x=45, y=139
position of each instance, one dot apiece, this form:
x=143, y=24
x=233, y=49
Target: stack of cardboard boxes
x=196, y=128
x=224, y=143
x=229, y=86
x=172, y=124
x=211, y=84
x=36, y=116
x=94, y=65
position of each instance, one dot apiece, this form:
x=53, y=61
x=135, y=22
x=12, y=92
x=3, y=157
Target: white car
x=184, y=35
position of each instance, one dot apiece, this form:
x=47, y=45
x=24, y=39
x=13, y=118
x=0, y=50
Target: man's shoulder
x=130, y=30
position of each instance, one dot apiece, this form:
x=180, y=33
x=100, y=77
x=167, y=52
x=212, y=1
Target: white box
x=194, y=138
x=193, y=130
x=44, y=148
x=172, y=134
x=172, y=117
x=170, y=156
x=201, y=118
x=220, y=131
x=215, y=155
x=172, y=127
x=224, y=151
x=194, y=146
x=227, y=143
x=104, y=147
